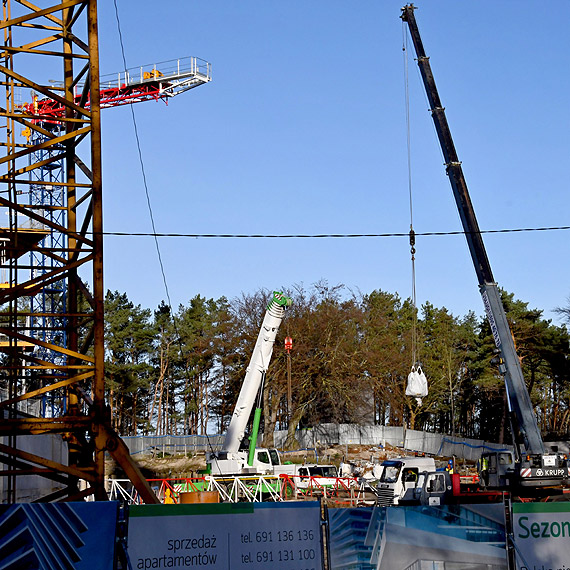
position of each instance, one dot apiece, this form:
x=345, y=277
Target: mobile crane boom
x=255, y=371
x=517, y=393
x=231, y=459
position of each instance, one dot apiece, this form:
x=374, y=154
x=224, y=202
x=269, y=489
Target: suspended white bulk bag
x=417, y=384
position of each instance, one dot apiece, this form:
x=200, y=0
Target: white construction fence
x=157, y=445
x=327, y=435
x=323, y=436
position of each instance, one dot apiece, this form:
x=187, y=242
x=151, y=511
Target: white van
x=310, y=476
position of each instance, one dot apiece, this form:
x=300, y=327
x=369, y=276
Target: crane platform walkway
x=158, y=81
x=15, y=242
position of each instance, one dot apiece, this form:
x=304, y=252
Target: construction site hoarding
x=541, y=533
x=58, y=536
x=226, y=535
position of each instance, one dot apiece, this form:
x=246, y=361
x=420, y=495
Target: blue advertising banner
x=219, y=536
x=58, y=536
x=466, y=537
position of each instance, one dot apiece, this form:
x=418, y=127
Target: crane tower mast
x=51, y=239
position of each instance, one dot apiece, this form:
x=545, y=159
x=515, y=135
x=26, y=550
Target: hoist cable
x=408, y=135
x=154, y=232
x=412, y=234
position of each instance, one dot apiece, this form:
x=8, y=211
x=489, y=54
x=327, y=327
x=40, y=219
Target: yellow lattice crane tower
x=51, y=238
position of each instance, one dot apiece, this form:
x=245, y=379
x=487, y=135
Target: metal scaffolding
x=144, y=83
x=51, y=254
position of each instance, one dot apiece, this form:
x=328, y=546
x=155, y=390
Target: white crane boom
x=255, y=371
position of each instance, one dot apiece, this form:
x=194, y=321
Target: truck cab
x=316, y=476
x=399, y=476
x=446, y=488
x=309, y=475
x=264, y=462
x=432, y=489
x=501, y=470
x=496, y=469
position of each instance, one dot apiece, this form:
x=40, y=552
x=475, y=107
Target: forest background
x=180, y=372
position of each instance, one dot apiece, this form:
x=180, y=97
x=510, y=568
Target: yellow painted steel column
x=98, y=292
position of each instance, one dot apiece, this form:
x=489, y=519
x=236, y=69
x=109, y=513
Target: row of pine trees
x=180, y=371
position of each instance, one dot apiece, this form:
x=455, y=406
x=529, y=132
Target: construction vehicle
x=445, y=488
x=400, y=475
x=325, y=476
x=531, y=466
x=232, y=460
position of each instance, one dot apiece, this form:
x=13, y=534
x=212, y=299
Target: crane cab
x=501, y=470
x=496, y=469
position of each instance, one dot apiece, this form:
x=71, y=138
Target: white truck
x=398, y=476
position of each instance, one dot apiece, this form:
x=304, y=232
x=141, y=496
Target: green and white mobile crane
x=232, y=460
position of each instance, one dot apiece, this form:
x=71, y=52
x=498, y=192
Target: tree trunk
x=223, y=402
x=112, y=407
x=186, y=406
x=412, y=417
x=168, y=419
x=270, y=413
x=206, y=409
x=135, y=403
x=121, y=419
x=291, y=442
x=160, y=427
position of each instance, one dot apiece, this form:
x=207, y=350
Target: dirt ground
x=361, y=457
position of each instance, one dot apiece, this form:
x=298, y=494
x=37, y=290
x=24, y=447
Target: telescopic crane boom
x=255, y=371
x=231, y=459
x=537, y=467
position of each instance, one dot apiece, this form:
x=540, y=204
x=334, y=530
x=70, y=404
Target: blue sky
x=302, y=130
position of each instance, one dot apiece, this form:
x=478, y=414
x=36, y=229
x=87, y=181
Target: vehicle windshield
x=323, y=471
x=274, y=457
x=436, y=484
x=263, y=456
x=390, y=474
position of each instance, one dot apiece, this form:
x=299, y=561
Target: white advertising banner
x=255, y=536
x=542, y=535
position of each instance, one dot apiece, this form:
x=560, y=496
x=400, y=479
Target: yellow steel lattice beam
x=76, y=372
